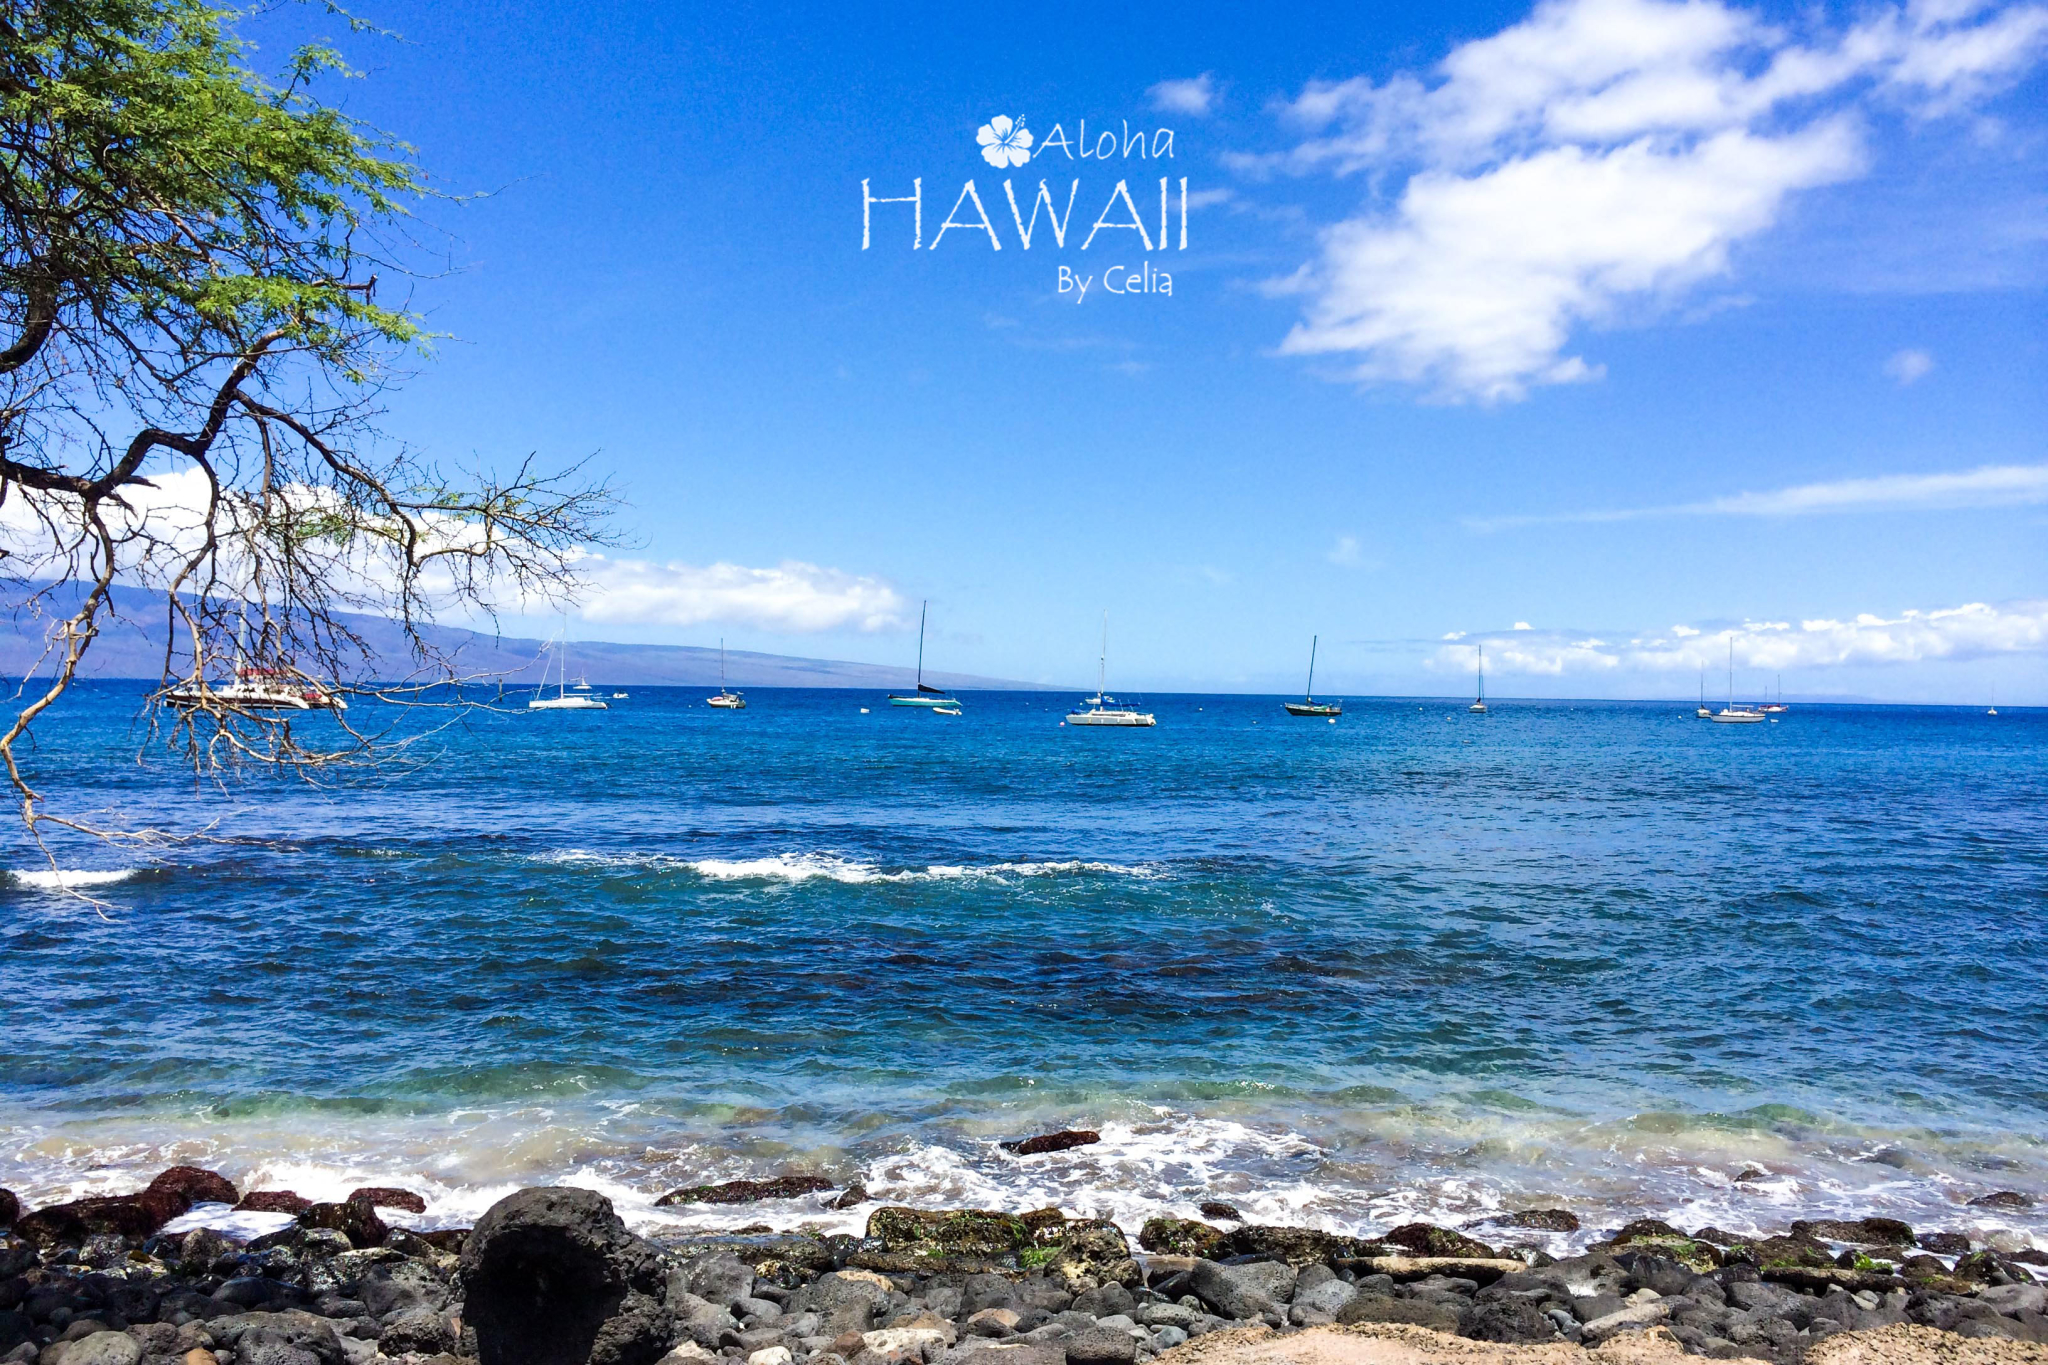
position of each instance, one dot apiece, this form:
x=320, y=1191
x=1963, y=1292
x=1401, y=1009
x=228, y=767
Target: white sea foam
x=826, y=866
x=51, y=879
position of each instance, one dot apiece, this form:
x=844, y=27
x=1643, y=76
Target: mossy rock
x=1091, y=1252
x=1300, y=1246
x=1427, y=1239
x=1877, y=1232
x=1689, y=1252
x=981, y=1233
x=1789, y=1252
x=1182, y=1237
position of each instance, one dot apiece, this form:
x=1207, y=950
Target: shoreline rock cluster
x=552, y=1276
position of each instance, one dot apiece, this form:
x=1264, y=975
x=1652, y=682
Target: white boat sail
x=581, y=697
x=1731, y=714
x=727, y=699
x=1103, y=709
x=926, y=696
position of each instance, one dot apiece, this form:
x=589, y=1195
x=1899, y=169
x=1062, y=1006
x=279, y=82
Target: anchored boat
x=1308, y=705
x=930, y=698
x=581, y=697
x=1103, y=709
x=727, y=699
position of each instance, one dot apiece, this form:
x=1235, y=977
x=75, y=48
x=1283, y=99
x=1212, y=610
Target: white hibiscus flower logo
x=1004, y=142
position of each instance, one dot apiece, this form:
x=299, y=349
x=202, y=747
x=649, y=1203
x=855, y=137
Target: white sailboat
x=928, y=697
x=581, y=697
x=1479, y=706
x=1103, y=709
x=1731, y=714
x=1308, y=705
x=1778, y=707
x=1705, y=712
x=727, y=699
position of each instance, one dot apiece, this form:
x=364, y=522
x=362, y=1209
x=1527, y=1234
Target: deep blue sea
x=1417, y=963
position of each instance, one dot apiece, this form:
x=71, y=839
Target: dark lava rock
x=1862, y=1232
x=1053, y=1142
x=419, y=1330
x=855, y=1194
x=289, y=1338
x=1386, y=1308
x=127, y=1215
x=196, y=1186
x=357, y=1220
x=746, y=1191
x=1506, y=1319
x=1542, y=1220
x=1243, y=1291
x=1297, y=1246
x=552, y=1277
x=1216, y=1208
x=1426, y=1239
x=948, y=1233
x=384, y=1197
x=1787, y=1251
x=445, y=1239
x=1720, y=1237
x=10, y=1208
x=1088, y=1249
x=1944, y=1243
x=1181, y=1237
x=2003, y=1199
x=274, y=1201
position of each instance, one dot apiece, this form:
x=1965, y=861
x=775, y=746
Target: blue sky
x=1633, y=323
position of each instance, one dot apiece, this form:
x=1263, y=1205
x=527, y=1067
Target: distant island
x=131, y=645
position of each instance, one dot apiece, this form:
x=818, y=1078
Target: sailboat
x=928, y=697
x=727, y=699
x=1705, y=712
x=1479, y=706
x=1308, y=705
x=581, y=697
x=1731, y=714
x=1103, y=709
x=1778, y=707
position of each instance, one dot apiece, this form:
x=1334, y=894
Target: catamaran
x=1103, y=709
x=1731, y=714
x=581, y=697
x=256, y=688
x=1479, y=706
x=1308, y=705
x=727, y=699
x=928, y=697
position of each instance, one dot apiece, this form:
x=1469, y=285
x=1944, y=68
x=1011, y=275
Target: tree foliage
x=194, y=336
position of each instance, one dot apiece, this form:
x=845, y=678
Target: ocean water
x=1415, y=964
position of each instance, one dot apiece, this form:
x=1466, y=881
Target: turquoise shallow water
x=1417, y=963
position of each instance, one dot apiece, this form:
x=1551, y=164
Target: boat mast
x=1102, y=663
x=721, y=665
x=1731, y=673
x=1310, y=694
x=922, y=608
x=1482, y=673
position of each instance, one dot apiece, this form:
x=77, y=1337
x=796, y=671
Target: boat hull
x=1738, y=717
x=1128, y=720
x=566, y=704
x=1314, y=708
x=926, y=702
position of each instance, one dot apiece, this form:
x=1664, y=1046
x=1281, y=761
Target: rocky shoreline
x=552, y=1276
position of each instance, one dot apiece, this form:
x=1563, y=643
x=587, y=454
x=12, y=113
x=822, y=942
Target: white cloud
x=1347, y=553
x=1909, y=365
x=793, y=596
x=1599, y=156
x=1974, y=631
x=1195, y=96
x=2009, y=485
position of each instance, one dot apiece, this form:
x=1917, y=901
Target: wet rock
x=1862, y=1232
x=854, y=1194
x=1426, y=1239
x=1296, y=1246
x=1540, y=1220
x=552, y=1277
x=1657, y=1273
x=747, y=1191
x=355, y=1219
x=401, y=1287
x=1181, y=1237
x=126, y=1215
x=2003, y=1199
x=194, y=1186
x=274, y=1201
x=1064, y=1140
x=981, y=1233
x=1243, y=1291
x=384, y=1197
x=201, y=1249
x=1088, y=1252
x=10, y=1208
x=1386, y=1308
x=1784, y=1251
x=1720, y=1237
x=1216, y=1208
